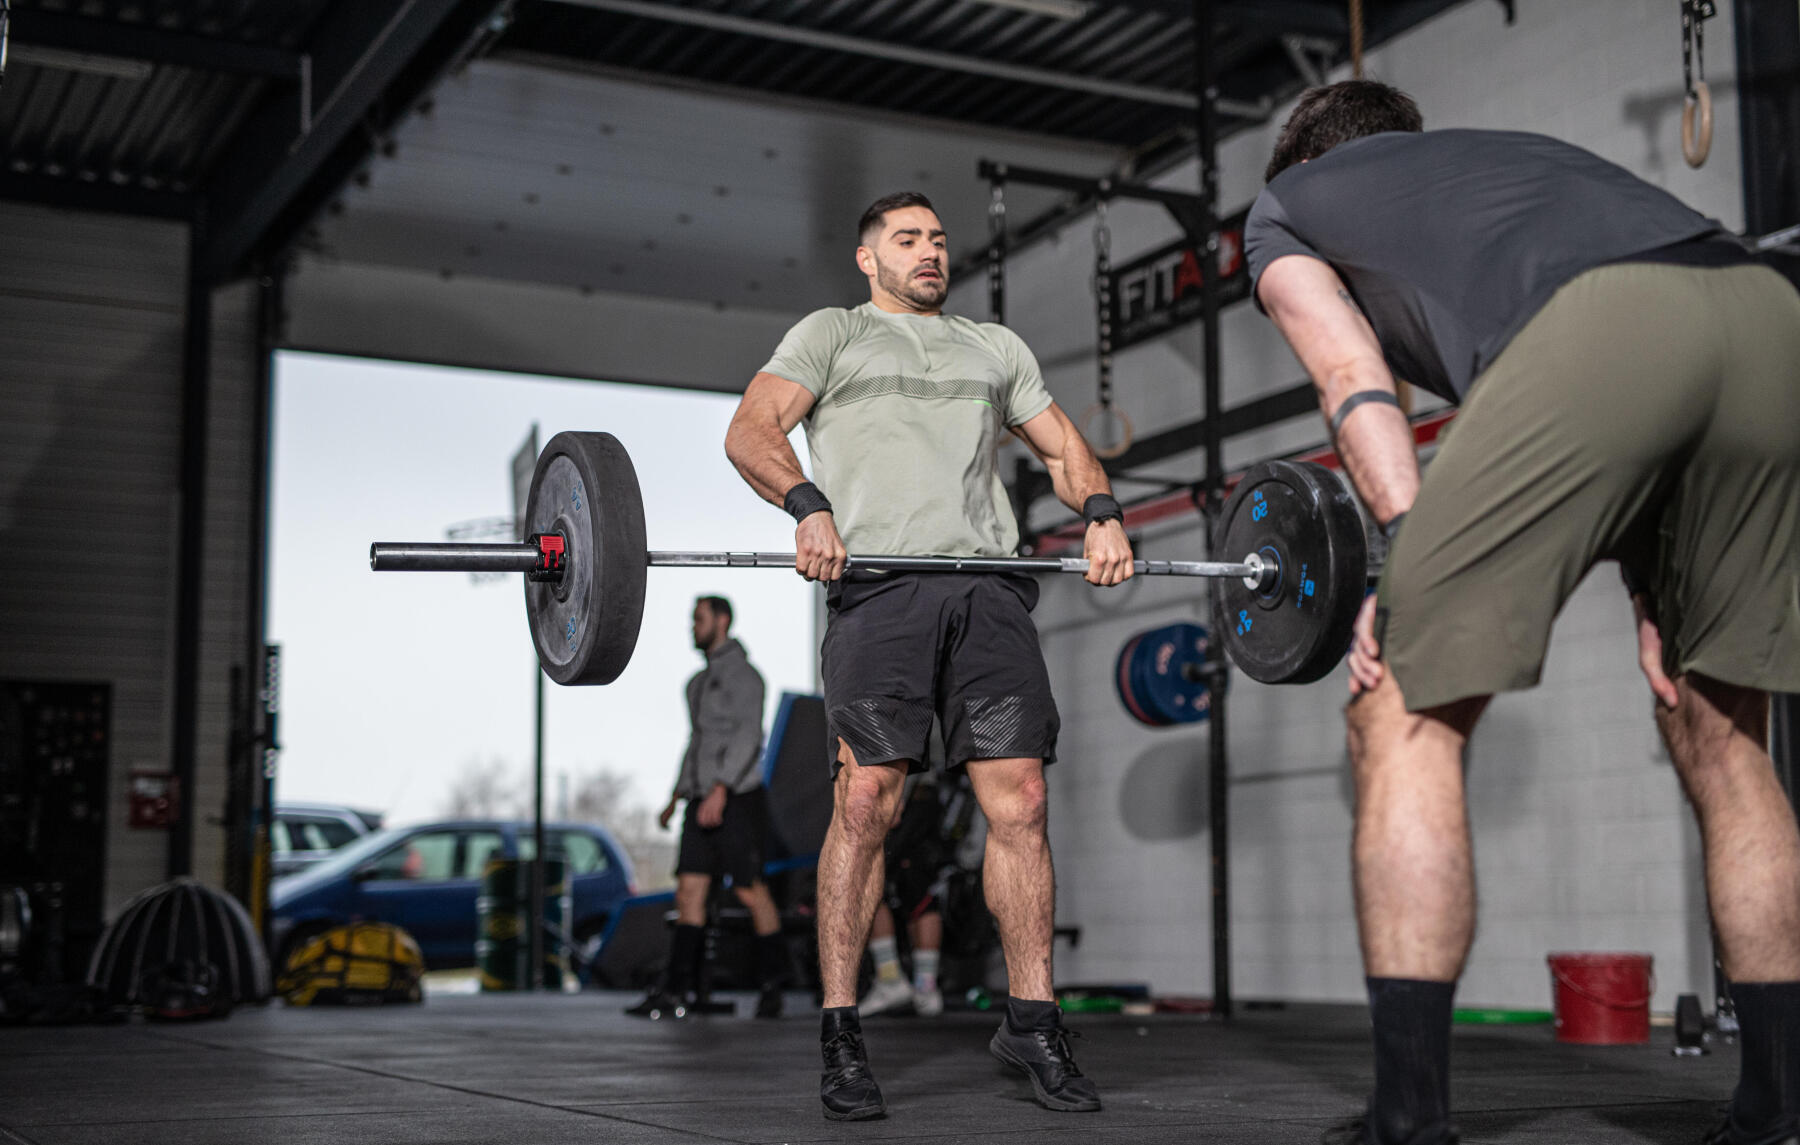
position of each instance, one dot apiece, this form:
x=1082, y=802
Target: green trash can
x=502, y=944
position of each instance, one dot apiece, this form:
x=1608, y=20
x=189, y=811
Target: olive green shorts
x=1648, y=414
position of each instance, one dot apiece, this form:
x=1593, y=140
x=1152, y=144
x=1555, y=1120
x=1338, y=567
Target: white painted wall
x=1582, y=842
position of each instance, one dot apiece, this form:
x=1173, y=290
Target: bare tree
x=606, y=797
x=485, y=789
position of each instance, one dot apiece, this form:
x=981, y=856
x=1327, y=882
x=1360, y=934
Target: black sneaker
x=659, y=1004
x=1721, y=1134
x=1044, y=1056
x=768, y=1002
x=1355, y=1131
x=846, y=1087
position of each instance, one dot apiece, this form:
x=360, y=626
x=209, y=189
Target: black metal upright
x=534, y=913
x=189, y=553
x=259, y=720
x=1206, y=133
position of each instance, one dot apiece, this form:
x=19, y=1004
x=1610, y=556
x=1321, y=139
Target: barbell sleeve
x=406, y=556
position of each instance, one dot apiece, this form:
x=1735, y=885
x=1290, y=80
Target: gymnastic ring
x=1695, y=148
x=1124, y=443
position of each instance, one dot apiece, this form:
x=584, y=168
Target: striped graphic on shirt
x=956, y=389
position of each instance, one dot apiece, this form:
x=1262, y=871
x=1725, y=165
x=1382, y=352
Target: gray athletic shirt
x=1452, y=240
x=907, y=420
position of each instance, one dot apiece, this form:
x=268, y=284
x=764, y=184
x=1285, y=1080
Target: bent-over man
x=1630, y=386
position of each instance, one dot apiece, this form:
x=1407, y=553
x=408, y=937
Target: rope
x=1356, y=39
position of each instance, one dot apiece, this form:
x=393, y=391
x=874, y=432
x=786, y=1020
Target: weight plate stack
x=1303, y=519
x=585, y=626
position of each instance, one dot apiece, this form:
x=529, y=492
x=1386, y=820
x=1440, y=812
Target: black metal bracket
x=1186, y=208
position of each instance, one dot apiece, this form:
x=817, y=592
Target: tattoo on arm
x=1349, y=301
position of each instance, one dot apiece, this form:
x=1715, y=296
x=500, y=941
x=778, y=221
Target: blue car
x=425, y=879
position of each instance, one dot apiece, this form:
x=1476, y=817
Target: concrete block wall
x=1582, y=839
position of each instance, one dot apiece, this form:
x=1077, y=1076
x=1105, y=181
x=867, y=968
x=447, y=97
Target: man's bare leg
x=1021, y=892
x=1415, y=873
x=1716, y=734
x=1415, y=899
x=850, y=869
x=1017, y=874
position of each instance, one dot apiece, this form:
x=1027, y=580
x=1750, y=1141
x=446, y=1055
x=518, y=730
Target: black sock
x=686, y=948
x=1412, y=1059
x=1768, y=1090
x=1023, y=1015
x=834, y=1020
x=771, y=960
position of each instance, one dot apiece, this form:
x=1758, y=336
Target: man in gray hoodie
x=727, y=817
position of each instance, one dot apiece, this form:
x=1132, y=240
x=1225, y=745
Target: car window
x=427, y=857
x=478, y=848
x=278, y=838
x=329, y=834
x=581, y=851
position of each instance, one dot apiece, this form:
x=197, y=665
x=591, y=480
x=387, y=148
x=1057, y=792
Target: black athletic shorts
x=735, y=847
x=900, y=648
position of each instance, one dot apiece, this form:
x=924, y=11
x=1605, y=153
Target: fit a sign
x=1159, y=291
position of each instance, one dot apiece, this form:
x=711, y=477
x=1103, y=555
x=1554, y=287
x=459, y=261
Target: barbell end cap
x=1262, y=574
x=373, y=567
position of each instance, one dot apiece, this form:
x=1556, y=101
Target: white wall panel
x=91, y=322
x=406, y=315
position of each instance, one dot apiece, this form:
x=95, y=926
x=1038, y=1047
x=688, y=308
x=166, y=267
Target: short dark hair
x=719, y=605
x=871, y=218
x=1328, y=116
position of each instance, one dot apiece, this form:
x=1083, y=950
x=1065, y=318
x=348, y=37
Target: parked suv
x=304, y=833
x=425, y=879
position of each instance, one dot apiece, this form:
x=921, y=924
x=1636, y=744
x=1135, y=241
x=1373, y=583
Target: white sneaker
x=928, y=1003
x=885, y=997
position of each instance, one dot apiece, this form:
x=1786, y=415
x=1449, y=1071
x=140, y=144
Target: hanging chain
x=1694, y=14
x=997, y=252
x=1103, y=298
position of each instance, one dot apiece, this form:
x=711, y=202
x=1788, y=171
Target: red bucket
x=1602, y=999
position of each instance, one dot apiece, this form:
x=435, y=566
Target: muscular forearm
x=1076, y=475
x=1375, y=442
x=765, y=459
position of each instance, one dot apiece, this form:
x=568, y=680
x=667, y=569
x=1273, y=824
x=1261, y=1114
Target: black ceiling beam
x=43, y=29
x=107, y=198
x=278, y=170
x=1327, y=18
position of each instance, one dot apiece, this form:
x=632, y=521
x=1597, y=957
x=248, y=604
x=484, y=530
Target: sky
x=393, y=683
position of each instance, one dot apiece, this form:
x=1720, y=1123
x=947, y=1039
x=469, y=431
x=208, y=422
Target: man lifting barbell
x=904, y=408
x=1628, y=381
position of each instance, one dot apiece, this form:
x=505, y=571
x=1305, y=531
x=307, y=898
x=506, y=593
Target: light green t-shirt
x=906, y=425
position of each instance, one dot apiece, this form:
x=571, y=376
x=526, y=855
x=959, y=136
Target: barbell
x=1285, y=614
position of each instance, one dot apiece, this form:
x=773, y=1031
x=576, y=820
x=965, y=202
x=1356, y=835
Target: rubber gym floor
x=547, y=1069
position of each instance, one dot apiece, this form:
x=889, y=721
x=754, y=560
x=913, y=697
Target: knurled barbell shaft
x=395, y=556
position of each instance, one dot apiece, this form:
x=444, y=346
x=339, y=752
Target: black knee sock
x=686, y=948
x=1768, y=1091
x=1412, y=1059
x=771, y=960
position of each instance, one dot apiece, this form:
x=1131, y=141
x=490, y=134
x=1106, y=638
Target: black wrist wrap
x=1101, y=507
x=803, y=500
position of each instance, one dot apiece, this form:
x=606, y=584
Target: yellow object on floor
x=362, y=963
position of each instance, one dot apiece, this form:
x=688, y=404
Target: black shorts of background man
x=1628, y=371
x=905, y=408
x=727, y=819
